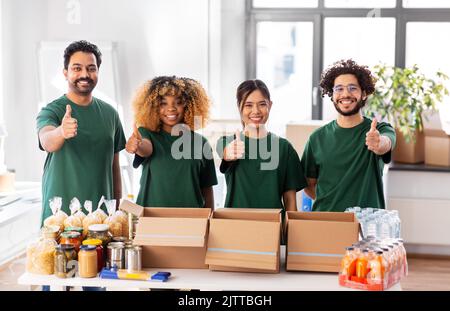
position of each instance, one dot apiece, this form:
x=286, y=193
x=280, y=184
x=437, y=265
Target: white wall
x=155, y=37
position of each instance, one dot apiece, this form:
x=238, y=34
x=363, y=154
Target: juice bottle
x=348, y=263
x=362, y=265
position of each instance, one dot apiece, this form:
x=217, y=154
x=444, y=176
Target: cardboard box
x=244, y=240
x=298, y=133
x=317, y=240
x=409, y=152
x=171, y=237
x=7, y=182
x=437, y=142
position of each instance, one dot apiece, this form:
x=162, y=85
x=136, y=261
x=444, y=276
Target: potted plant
x=401, y=97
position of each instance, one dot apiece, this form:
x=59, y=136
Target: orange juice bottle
x=374, y=274
x=348, y=263
x=362, y=264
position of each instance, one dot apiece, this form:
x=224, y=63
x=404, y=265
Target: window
x=369, y=31
x=284, y=63
x=360, y=3
x=419, y=51
x=367, y=41
x=285, y=3
x=426, y=4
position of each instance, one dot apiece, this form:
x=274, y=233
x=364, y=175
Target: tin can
x=133, y=258
x=115, y=255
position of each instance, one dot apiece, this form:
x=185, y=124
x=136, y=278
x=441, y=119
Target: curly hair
x=81, y=46
x=148, y=99
x=365, y=78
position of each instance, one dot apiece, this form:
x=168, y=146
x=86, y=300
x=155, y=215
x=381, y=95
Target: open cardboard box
x=437, y=141
x=298, y=133
x=244, y=240
x=316, y=241
x=170, y=237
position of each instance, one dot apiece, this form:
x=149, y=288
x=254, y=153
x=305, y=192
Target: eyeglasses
x=351, y=88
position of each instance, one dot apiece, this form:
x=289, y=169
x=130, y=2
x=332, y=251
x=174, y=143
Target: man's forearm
x=51, y=138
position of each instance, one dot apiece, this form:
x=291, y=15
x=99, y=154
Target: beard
x=84, y=90
x=359, y=105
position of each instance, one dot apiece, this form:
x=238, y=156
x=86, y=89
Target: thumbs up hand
x=69, y=125
x=234, y=150
x=134, y=141
x=373, y=137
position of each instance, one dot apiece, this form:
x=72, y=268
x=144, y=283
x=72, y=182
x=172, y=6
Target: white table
x=203, y=279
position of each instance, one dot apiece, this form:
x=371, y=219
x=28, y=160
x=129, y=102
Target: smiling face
x=171, y=112
x=347, y=95
x=255, y=110
x=82, y=73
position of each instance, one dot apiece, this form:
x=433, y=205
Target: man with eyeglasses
x=344, y=159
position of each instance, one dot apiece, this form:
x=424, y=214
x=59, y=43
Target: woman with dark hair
x=261, y=169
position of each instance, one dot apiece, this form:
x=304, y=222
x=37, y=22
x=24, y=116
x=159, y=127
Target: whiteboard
x=52, y=83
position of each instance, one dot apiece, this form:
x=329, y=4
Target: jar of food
x=100, y=231
x=87, y=261
x=100, y=254
x=71, y=237
x=76, y=229
x=116, y=255
x=65, y=261
x=50, y=232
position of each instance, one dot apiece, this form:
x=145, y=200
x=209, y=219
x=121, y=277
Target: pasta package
x=41, y=257
x=90, y=219
x=73, y=220
x=57, y=218
x=114, y=222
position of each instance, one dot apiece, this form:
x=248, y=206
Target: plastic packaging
x=114, y=223
x=91, y=219
x=58, y=216
x=72, y=220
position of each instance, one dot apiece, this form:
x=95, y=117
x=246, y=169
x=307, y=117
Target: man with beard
x=344, y=159
x=82, y=136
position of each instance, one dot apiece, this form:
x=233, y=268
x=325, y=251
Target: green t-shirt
x=82, y=168
x=270, y=167
x=347, y=173
x=175, y=179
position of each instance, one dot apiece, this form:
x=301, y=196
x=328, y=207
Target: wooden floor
x=424, y=275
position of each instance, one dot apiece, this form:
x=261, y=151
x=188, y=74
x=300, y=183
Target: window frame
x=317, y=16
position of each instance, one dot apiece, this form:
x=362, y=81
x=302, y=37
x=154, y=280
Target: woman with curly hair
x=344, y=159
x=261, y=169
x=177, y=163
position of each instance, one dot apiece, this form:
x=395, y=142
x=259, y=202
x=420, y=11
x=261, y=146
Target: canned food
x=116, y=255
x=133, y=258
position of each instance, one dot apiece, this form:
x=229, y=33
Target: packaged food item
x=114, y=223
x=51, y=232
x=348, y=263
x=115, y=255
x=72, y=220
x=381, y=264
x=58, y=216
x=99, y=212
x=76, y=229
x=87, y=261
x=65, y=261
x=100, y=253
x=101, y=232
x=123, y=218
x=41, y=256
x=71, y=238
x=90, y=219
